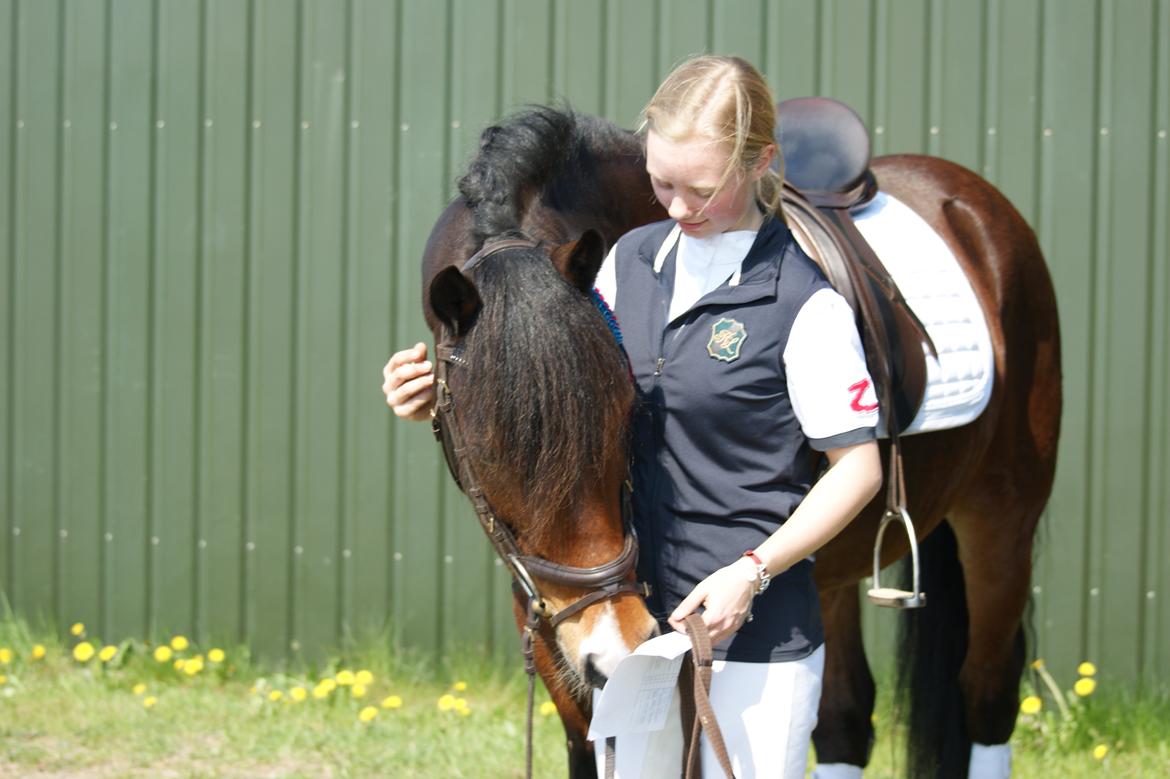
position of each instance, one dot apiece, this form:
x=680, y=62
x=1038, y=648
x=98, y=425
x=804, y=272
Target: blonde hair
x=727, y=100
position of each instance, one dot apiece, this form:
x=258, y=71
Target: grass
x=61, y=717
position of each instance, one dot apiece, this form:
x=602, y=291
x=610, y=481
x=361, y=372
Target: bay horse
x=545, y=390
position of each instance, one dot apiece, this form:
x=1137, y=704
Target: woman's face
x=686, y=173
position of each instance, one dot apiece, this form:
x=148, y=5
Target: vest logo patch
x=727, y=335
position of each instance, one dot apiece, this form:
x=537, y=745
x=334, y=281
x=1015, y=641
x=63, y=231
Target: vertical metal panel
x=580, y=53
x=34, y=320
x=1156, y=606
x=273, y=418
x=175, y=128
x=128, y=325
x=793, y=48
x=738, y=28
x=677, y=34
x=223, y=292
x=1126, y=358
x=9, y=54
x=83, y=195
x=1066, y=232
x=370, y=311
x=631, y=69
x=211, y=222
x=423, y=103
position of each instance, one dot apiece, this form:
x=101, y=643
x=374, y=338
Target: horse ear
x=454, y=299
x=579, y=260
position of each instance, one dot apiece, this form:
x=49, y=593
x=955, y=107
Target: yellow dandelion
x=149, y=701
x=363, y=677
x=392, y=702
x=1037, y=664
x=547, y=709
x=1085, y=687
x=77, y=629
x=446, y=702
x=180, y=664
x=298, y=694
x=163, y=654
x=1087, y=669
x=108, y=653
x=5, y=656
x=368, y=713
x=139, y=688
x=345, y=678
x=460, y=705
x=465, y=711
x=358, y=691
x=216, y=655
x=193, y=667
x=1031, y=705
x=179, y=643
x=320, y=691
x=275, y=695
x=1100, y=751
x=329, y=684
x=38, y=652
x=459, y=686
x=83, y=652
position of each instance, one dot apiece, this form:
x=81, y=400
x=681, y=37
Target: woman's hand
x=410, y=383
x=726, y=596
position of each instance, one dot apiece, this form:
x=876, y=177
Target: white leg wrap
x=990, y=761
x=836, y=771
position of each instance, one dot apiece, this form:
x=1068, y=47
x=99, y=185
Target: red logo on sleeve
x=858, y=390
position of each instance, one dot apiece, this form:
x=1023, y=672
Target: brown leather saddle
x=826, y=153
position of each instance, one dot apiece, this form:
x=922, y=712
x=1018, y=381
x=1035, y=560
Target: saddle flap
x=891, y=333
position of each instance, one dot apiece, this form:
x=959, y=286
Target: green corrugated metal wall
x=212, y=214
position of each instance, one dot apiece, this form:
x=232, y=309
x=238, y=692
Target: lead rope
x=704, y=713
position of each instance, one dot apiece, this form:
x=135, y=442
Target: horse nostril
x=593, y=676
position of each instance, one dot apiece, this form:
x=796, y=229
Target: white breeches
x=766, y=711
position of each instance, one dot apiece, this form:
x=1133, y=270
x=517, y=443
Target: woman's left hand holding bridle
x=726, y=597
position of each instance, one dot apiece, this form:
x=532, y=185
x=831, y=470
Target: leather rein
x=603, y=581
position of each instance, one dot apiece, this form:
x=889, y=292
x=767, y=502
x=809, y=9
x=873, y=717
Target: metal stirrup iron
x=896, y=511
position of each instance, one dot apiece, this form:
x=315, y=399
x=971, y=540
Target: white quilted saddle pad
x=930, y=278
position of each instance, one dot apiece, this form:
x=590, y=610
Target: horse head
x=541, y=397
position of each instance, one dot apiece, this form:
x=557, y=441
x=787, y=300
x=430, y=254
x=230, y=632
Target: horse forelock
x=548, y=393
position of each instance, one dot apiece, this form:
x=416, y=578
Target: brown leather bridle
x=602, y=582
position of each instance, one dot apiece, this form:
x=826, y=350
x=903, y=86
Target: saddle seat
x=825, y=145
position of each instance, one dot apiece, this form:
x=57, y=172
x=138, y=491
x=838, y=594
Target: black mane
x=554, y=151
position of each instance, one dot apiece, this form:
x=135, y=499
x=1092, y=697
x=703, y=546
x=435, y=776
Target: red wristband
x=762, y=577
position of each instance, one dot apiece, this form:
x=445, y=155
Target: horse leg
x=844, y=734
x=997, y=569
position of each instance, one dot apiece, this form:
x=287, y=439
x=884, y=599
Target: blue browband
x=607, y=313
